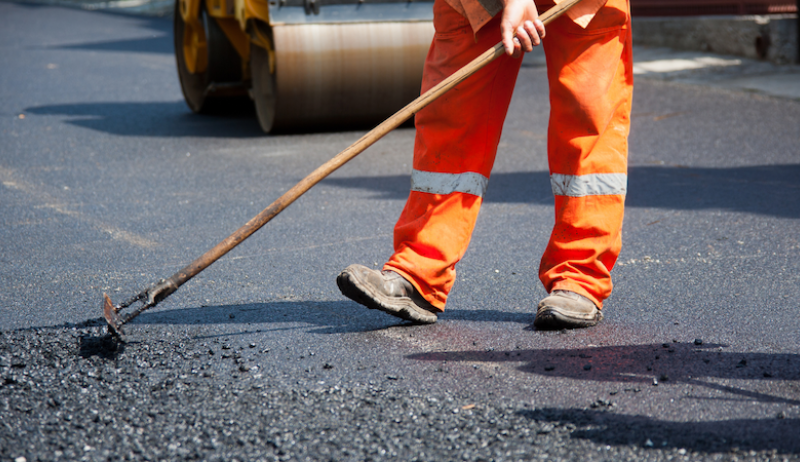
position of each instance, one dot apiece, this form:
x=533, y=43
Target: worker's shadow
x=711, y=373
x=749, y=189
x=777, y=435
x=637, y=366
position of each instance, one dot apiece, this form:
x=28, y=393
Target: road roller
x=304, y=63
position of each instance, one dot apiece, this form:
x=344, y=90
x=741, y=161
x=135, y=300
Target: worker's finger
x=526, y=40
x=534, y=32
x=539, y=25
x=517, y=49
x=509, y=42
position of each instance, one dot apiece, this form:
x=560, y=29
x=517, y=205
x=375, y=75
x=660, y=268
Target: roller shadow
x=739, y=189
x=159, y=29
x=162, y=43
x=159, y=45
x=636, y=366
x=159, y=40
x=234, y=117
x=736, y=435
x=165, y=119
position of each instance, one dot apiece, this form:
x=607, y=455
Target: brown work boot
x=386, y=291
x=566, y=310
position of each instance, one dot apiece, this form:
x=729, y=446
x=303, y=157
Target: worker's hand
x=520, y=27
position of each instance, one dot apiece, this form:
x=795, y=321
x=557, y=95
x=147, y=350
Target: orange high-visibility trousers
x=591, y=81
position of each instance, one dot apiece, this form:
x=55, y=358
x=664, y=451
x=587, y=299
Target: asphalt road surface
x=110, y=183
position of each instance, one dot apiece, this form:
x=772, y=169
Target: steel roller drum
x=347, y=64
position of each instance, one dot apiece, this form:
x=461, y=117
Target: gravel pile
x=72, y=393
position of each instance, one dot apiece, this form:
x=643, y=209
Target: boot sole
x=552, y=319
x=403, y=308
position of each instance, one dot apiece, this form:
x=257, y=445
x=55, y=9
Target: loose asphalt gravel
x=74, y=393
x=82, y=396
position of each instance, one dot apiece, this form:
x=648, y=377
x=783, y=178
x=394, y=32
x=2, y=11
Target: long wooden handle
x=349, y=153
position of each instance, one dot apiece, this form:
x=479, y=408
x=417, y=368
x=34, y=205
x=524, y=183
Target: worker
x=589, y=70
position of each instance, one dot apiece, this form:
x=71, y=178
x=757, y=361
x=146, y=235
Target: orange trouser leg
x=591, y=82
x=455, y=147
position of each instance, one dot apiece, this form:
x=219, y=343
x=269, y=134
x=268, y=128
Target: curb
x=770, y=37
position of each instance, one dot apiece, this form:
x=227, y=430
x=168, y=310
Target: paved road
x=109, y=183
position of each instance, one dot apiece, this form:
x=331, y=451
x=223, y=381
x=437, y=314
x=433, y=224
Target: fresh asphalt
x=110, y=183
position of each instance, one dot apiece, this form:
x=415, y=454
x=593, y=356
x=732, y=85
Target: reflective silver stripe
x=597, y=184
x=446, y=183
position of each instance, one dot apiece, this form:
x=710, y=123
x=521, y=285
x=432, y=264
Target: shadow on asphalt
x=229, y=118
x=748, y=189
x=740, y=189
x=636, y=366
x=161, y=43
x=709, y=436
x=163, y=118
x=328, y=317
x=333, y=317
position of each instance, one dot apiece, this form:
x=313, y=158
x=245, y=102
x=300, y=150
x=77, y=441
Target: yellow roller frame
x=195, y=47
x=233, y=17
